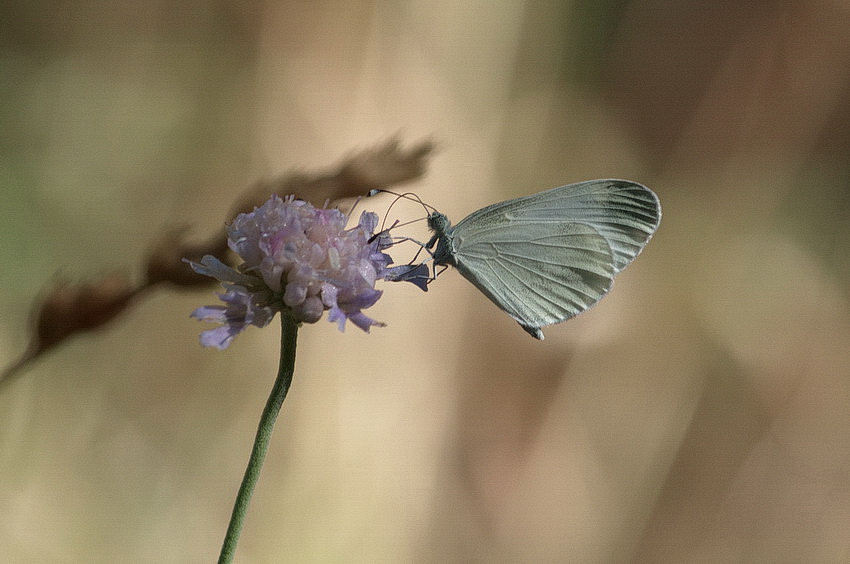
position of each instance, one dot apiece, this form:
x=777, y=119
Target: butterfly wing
x=547, y=257
x=539, y=274
x=625, y=213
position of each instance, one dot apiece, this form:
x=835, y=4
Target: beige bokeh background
x=701, y=412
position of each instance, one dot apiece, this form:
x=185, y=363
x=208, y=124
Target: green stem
x=288, y=337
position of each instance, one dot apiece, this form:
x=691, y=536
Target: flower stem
x=289, y=334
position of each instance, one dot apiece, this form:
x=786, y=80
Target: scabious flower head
x=300, y=259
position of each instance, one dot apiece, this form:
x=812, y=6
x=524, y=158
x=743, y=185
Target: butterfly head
x=438, y=223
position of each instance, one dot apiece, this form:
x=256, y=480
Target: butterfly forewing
x=625, y=213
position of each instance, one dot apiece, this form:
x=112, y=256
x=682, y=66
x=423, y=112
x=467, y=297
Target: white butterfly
x=547, y=257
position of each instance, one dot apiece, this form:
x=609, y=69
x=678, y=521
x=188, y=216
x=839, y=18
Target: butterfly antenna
x=410, y=196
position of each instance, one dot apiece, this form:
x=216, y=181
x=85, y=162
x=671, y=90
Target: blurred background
x=700, y=412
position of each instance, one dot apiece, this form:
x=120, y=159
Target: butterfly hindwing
x=539, y=273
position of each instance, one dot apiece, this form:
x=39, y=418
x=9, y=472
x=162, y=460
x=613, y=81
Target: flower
x=300, y=259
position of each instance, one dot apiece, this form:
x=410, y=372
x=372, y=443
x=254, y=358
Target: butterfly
x=546, y=257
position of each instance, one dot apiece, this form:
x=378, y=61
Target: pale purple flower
x=300, y=259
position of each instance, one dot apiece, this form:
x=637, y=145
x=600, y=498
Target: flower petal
x=418, y=274
x=214, y=268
